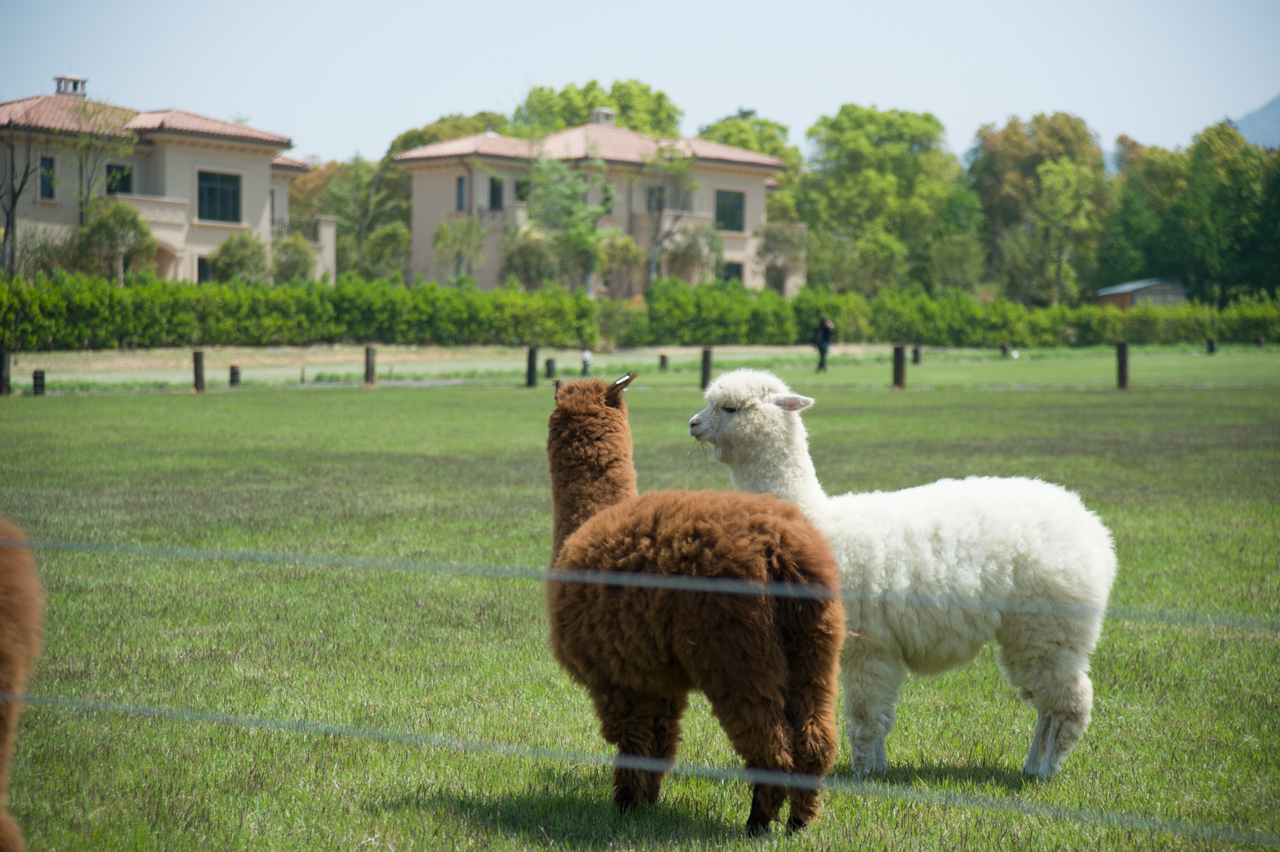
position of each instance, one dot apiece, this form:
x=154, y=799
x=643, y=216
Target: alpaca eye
x=727, y=410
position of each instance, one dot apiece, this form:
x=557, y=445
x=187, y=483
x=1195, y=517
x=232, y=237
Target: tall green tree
x=639, y=106
x=1139, y=237
x=559, y=206
x=878, y=185
x=747, y=130
x=362, y=205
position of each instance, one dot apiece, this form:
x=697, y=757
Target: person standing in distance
x=822, y=340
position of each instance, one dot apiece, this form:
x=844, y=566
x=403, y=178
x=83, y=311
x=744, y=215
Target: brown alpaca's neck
x=585, y=482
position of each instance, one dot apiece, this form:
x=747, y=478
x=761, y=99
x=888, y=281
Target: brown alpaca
x=766, y=664
x=21, y=614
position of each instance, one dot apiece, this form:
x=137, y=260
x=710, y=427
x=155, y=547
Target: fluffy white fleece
x=931, y=574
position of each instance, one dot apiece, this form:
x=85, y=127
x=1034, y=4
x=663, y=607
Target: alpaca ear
x=615, y=390
x=789, y=401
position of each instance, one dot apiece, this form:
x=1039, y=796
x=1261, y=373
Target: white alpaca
x=931, y=574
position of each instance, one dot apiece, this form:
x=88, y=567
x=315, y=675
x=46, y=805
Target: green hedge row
x=84, y=312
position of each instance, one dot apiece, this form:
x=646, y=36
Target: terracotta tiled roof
x=481, y=144
x=67, y=114
x=180, y=121
x=613, y=144
x=283, y=162
x=64, y=113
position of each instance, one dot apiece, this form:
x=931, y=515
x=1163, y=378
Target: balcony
x=309, y=228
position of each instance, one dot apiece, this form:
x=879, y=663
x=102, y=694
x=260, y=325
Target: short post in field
x=706, y=367
x=663, y=363
x=6, y=388
x=1261, y=341
x=899, y=366
x=551, y=368
x=197, y=362
x=915, y=354
x=370, y=365
x=531, y=370
x=37, y=382
x=1122, y=365
x=1211, y=346
x=234, y=380
x=1004, y=350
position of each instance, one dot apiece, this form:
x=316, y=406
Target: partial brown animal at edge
x=21, y=633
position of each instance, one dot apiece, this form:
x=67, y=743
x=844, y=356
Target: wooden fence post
x=234, y=381
x=1122, y=365
x=551, y=368
x=706, y=367
x=37, y=382
x=899, y=366
x=663, y=363
x=197, y=362
x=531, y=370
x=370, y=365
x=1211, y=346
x=6, y=388
x=915, y=354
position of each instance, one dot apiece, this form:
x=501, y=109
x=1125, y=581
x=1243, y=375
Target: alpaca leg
x=760, y=733
x=10, y=835
x=811, y=697
x=1049, y=671
x=871, y=683
x=639, y=725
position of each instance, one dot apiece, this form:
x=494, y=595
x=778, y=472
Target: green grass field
x=1186, y=723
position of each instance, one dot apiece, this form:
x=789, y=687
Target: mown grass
x=1186, y=719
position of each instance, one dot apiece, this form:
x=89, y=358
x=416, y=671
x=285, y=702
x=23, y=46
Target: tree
x=23, y=150
x=558, y=204
x=528, y=257
x=361, y=205
x=878, y=186
x=102, y=134
x=694, y=254
x=386, y=251
x=622, y=264
x=242, y=256
x=396, y=181
x=293, y=258
x=459, y=246
x=1064, y=211
x=309, y=194
x=747, y=130
x=667, y=179
x=639, y=107
x=114, y=239
x=781, y=252
x=1139, y=233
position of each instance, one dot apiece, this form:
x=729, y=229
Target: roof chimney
x=604, y=115
x=69, y=84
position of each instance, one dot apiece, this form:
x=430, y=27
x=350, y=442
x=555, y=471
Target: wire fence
x=1095, y=817
x=878, y=789
x=674, y=582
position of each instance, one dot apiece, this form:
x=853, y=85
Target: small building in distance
x=194, y=180
x=1150, y=291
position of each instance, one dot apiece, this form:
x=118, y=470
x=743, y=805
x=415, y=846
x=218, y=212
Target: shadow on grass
x=939, y=776
x=571, y=808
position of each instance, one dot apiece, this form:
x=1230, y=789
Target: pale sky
x=345, y=77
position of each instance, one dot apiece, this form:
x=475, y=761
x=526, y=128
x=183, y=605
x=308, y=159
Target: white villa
x=194, y=180
x=485, y=175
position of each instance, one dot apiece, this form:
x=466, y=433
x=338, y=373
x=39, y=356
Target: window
x=606, y=198
x=219, y=197
x=119, y=179
x=46, y=177
x=729, y=210
x=495, y=193
x=202, y=270
x=522, y=190
x=462, y=195
x=732, y=271
x=655, y=199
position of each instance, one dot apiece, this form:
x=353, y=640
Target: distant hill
x=1262, y=126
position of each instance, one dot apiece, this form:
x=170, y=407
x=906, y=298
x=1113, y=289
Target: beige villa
x=193, y=180
x=485, y=176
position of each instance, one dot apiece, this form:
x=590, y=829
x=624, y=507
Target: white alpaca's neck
x=781, y=468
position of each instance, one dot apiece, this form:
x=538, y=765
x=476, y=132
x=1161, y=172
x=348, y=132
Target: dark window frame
x=119, y=179
x=496, y=188
x=218, y=197
x=460, y=202
x=47, y=175
x=731, y=209
x=732, y=271
x=203, y=272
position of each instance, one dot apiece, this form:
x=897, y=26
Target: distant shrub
x=242, y=256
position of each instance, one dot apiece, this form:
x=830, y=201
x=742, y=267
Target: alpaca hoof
x=794, y=826
x=756, y=827
x=626, y=800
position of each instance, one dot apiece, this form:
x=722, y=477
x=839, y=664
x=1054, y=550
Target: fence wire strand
x=876, y=789
x=1237, y=621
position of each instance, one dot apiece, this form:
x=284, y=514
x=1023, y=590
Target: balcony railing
x=309, y=228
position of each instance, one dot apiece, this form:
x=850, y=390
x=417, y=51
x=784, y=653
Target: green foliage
x=459, y=246
x=397, y=183
x=293, y=258
x=693, y=254
x=558, y=206
x=878, y=189
x=528, y=256
x=747, y=130
x=622, y=263
x=114, y=239
x=386, y=251
x=362, y=204
x=241, y=255
x=639, y=107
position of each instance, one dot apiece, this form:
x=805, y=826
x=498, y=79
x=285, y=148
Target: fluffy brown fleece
x=766, y=664
x=21, y=616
